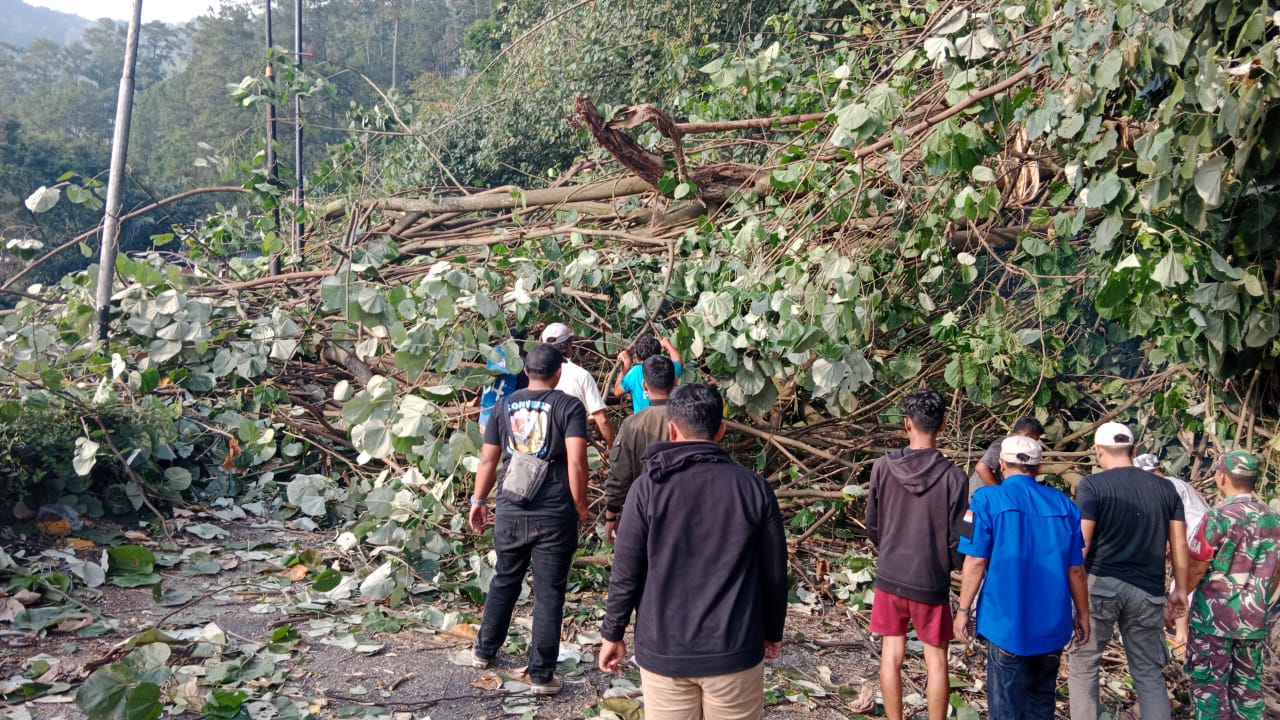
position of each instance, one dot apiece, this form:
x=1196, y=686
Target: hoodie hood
x=917, y=470
x=666, y=458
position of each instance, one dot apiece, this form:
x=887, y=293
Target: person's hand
x=478, y=517
x=666, y=344
x=1082, y=625
x=584, y=514
x=773, y=649
x=961, y=628
x=611, y=529
x=611, y=655
x=624, y=357
x=1177, y=605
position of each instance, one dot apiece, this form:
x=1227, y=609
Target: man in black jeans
x=541, y=529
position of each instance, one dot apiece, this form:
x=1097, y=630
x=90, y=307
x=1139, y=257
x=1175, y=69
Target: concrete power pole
x=115, y=179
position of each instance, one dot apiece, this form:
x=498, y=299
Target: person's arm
x=486, y=476
x=1199, y=557
x=975, y=568
x=958, y=504
x=623, y=468
x=605, y=425
x=576, y=449
x=672, y=352
x=774, y=583
x=627, y=578
x=1086, y=531
x=1178, y=554
x=873, y=506
x=984, y=471
x=624, y=366
x=1078, y=582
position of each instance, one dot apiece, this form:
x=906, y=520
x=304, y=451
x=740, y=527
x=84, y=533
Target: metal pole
x=298, y=196
x=272, y=170
x=115, y=178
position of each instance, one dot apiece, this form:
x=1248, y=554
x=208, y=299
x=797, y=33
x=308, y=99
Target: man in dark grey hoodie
x=701, y=557
x=915, y=515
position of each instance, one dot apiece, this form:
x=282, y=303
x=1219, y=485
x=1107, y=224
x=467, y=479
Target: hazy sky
x=166, y=10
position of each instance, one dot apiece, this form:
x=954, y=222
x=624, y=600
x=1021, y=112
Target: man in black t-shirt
x=1128, y=518
x=542, y=529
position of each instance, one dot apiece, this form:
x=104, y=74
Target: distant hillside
x=24, y=23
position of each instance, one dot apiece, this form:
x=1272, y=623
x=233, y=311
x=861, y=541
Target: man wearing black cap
x=542, y=435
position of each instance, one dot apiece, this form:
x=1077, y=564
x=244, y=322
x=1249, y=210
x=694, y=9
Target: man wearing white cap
x=1025, y=539
x=1128, y=518
x=577, y=382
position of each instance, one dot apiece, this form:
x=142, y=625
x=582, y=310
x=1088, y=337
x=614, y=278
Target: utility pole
x=115, y=178
x=298, y=197
x=272, y=170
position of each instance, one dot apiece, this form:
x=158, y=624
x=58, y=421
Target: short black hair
x=646, y=347
x=659, y=373
x=1028, y=425
x=543, y=361
x=1240, y=482
x=926, y=408
x=1020, y=468
x=697, y=410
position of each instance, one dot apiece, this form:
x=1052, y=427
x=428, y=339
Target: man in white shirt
x=1195, y=508
x=577, y=381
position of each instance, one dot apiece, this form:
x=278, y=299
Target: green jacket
x=647, y=426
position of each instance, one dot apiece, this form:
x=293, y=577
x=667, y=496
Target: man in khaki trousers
x=701, y=558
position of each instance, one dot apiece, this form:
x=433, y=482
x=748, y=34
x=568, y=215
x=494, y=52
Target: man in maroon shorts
x=915, y=514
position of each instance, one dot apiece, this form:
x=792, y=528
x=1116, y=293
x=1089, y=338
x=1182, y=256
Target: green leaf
x=34, y=620
x=1103, y=190
x=906, y=366
x=327, y=580
x=1208, y=180
x=1170, y=272
x=131, y=560
x=104, y=694
x=715, y=308
x=43, y=199
x=307, y=492
x=684, y=189
x=379, y=584
x=143, y=703
x=983, y=174
x=131, y=581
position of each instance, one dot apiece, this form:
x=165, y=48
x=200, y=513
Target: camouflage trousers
x=1226, y=677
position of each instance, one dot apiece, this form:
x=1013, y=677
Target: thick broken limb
x=609, y=189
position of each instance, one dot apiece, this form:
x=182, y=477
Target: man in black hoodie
x=702, y=557
x=915, y=514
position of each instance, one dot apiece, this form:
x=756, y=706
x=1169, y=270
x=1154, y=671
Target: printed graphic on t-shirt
x=528, y=422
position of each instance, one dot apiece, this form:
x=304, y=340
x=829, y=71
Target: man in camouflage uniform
x=1237, y=553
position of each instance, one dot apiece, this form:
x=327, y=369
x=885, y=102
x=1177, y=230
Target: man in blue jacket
x=1025, y=539
x=702, y=558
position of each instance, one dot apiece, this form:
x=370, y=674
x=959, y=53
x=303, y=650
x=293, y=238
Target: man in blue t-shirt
x=631, y=378
x=1025, y=539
